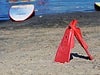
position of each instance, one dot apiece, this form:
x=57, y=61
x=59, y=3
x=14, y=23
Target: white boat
x=97, y=6
x=7, y=6
x=21, y=10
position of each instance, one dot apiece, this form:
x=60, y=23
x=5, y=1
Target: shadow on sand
x=79, y=56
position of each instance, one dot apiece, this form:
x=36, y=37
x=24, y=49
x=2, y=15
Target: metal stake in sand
x=67, y=43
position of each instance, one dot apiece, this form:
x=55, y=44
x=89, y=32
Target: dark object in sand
x=97, y=6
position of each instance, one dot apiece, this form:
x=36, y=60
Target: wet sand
x=29, y=47
x=56, y=20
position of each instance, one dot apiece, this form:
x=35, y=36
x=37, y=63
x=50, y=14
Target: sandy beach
x=29, y=47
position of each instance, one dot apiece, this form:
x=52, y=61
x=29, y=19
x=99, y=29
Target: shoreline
x=55, y=20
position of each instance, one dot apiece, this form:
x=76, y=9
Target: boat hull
x=21, y=12
x=97, y=6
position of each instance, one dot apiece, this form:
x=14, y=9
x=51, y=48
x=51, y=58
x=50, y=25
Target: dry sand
x=30, y=50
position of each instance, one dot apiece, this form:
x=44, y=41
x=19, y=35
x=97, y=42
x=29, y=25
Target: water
x=4, y=8
x=53, y=7
x=62, y=6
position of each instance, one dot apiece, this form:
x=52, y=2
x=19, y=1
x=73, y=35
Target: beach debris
x=40, y=16
x=67, y=43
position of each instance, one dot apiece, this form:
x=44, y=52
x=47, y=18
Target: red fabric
x=67, y=43
x=64, y=49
